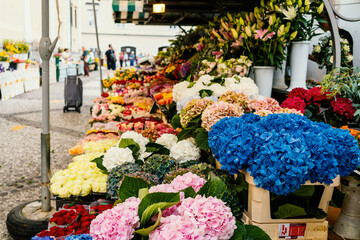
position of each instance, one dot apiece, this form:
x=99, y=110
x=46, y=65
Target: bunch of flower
x=240, y=99
x=108, y=82
x=317, y=95
x=283, y=151
x=128, y=74
x=56, y=232
x=172, y=70
x=159, y=165
x=116, y=175
x=215, y=87
x=164, y=98
x=4, y=57
x=193, y=109
x=344, y=107
x=269, y=104
x=119, y=222
x=99, y=146
x=100, y=208
x=323, y=53
x=63, y=217
x=80, y=178
x=15, y=46
x=198, y=218
x=217, y=111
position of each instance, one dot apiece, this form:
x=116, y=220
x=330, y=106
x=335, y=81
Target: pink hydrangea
x=210, y=214
x=240, y=99
x=263, y=113
x=217, y=111
x=187, y=180
x=193, y=109
x=178, y=227
x=264, y=104
x=167, y=188
x=119, y=222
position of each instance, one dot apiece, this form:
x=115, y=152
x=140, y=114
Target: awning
x=177, y=12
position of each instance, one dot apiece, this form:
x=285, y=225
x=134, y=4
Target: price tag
x=292, y=231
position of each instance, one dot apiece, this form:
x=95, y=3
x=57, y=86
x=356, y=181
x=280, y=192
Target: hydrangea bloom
x=167, y=140
x=242, y=85
x=298, y=92
x=193, y=109
x=139, y=139
x=289, y=111
x=187, y=180
x=264, y=104
x=210, y=214
x=295, y=103
x=240, y=99
x=177, y=227
x=283, y=151
x=184, y=151
x=315, y=95
x=217, y=111
x=119, y=222
x=116, y=157
x=79, y=237
x=344, y=107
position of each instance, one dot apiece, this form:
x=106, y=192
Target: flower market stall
x=199, y=150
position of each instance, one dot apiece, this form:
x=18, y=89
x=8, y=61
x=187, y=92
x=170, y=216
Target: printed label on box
x=292, y=231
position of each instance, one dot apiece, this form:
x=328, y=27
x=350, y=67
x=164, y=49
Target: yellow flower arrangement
x=4, y=57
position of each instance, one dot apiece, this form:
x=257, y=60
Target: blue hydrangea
x=42, y=238
x=283, y=151
x=79, y=237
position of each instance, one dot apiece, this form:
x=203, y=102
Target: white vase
x=298, y=64
x=264, y=76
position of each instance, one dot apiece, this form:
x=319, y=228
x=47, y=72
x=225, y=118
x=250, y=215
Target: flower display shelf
x=60, y=202
x=259, y=214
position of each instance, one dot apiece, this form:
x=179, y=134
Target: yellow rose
x=86, y=189
x=64, y=193
x=55, y=188
x=75, y=190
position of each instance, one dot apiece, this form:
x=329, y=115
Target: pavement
x=20, y=129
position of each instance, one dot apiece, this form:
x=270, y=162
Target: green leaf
x=175, y=121
x=151, y=210
x=191, y=84
x=308, y=113
x=99, y=164
x=154, y=108
x=240, y=231
x=202, y=139
x=157, y=148
x=158, y=197
x=305, y=191
x=186, y=133
x=289, y=211
x=131, y=144
x=214, y=187
x=130, y=187
x=189, y=192
x=146, y=231
x=255, y=233
x=143, y=192
x=205, y=93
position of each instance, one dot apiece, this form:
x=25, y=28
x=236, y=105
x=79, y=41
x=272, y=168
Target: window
x=91, y=17
x=71, y=16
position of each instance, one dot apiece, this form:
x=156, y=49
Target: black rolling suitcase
x=73, y=93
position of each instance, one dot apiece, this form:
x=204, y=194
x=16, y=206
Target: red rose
x=105, y=95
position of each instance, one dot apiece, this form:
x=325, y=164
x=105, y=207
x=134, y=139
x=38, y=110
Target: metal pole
x=98, y=47
x=45, y=135
x=45, y=49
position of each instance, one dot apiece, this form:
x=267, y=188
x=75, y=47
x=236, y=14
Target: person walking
x=132, y=58
x=121, y=59
x=85, y=58
x=126, y=58
x=110, y=59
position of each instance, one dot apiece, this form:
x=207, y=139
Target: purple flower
x=185, y=69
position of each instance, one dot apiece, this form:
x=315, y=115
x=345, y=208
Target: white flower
x=245, y=85
x=332, y=59
x=179, y=89
x=317, y=49
x=346, y=48
x=290, y=13
x=345, y=41
x=116, y=157
x=349, y=58
x=330, y=43
x=206, y=79
x=139, y=139
x=168, y=140
x=184, y=151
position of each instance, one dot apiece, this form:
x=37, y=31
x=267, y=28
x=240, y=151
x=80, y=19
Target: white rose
x=184, y=151
x=55, y=188
x=168, y=140
x=349, y=58
x=346, y=48
x=117, y=156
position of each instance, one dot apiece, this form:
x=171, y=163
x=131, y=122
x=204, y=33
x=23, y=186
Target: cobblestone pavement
x=20, y=129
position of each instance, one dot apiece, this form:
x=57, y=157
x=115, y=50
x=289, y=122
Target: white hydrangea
x=245, y=85
x=116, y=157
x=139, y=139
x=205, y=79
x=167, y=140
x=178, y=90
x=184, y=151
